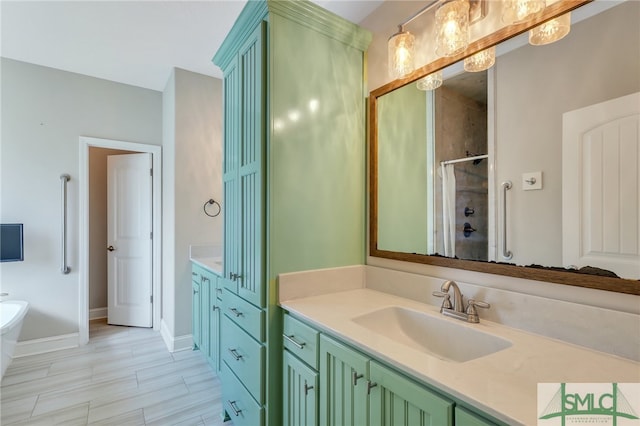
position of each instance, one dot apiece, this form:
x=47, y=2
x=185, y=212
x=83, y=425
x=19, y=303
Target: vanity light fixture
x=516, y=11
x=453, y=18
x=550, y=31
x=480, y=61
x=452, y=28
x=401, y=51
x=430, y=82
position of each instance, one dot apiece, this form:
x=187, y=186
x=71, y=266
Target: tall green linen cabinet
x=294, y=179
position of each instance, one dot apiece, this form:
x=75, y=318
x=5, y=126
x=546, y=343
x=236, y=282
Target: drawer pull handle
x=236, y=312
x=294, y=342
x=356, y=376
x=234, y=353
x=307, y=388
x=235, y=409
x=370, y=385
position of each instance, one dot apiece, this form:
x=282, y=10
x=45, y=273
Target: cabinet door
x=300, y=397
x=343, y=384
x=205, y=285
x=396, y=400
x=214, y=326
x=214, y=336
x=195, y=314
x=231, y=182
x=251, y=164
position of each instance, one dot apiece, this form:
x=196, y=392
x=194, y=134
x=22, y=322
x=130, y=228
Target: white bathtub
x=12, y=314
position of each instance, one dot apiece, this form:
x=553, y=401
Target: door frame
x=156, y=255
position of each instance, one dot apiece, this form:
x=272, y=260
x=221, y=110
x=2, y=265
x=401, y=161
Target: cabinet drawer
x=244, y=356
x=301, y=340
x=244, y=314
x=238, y=403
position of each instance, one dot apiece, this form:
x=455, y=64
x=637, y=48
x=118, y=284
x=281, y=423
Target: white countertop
x=503, y=384
x=214, y=264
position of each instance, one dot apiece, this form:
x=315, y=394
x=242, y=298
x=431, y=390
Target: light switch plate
x=531, y=181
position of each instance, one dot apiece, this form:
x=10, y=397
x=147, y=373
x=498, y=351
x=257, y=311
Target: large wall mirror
x=441, y=159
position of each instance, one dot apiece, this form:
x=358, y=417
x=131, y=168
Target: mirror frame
x=619, y=285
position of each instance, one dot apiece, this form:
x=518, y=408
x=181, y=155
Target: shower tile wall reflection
x=461, y=131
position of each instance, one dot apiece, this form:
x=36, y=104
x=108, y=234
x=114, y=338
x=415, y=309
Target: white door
x=601, y=186
x=129, y=188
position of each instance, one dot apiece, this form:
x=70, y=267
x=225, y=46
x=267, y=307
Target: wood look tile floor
x=123, y=376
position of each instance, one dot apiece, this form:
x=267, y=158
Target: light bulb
x=480, y=61
x=400, y=54
x=430, y=82
x=516, y=11
x=452, y=28
x=550, y=31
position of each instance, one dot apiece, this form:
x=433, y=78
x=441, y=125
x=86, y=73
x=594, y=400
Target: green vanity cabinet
x=344, y=375
x=300, y=390
x=205, y=284
x=240, y=406
x=352, y=388
x=300, y=373
x=293, y=167
x=206, y=313
x=213, y=321
x=396, y=400
x=196, y=323
x=243, y=170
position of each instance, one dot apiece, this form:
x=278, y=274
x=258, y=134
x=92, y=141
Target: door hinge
x=151, y=298
x=151, y=235
x=150, y=172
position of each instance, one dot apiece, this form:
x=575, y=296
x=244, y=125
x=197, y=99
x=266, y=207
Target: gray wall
x=597, y=61
x=192, y=109
x=44, y=111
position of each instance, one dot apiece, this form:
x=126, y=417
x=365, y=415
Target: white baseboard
x=46, y=344
x=175, y=344
x=97, y=313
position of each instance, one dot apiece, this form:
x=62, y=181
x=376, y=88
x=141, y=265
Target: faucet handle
x=471, y=307
x=472, y=314
x=446, y=303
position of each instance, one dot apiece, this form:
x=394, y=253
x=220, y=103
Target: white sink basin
x=440, y=337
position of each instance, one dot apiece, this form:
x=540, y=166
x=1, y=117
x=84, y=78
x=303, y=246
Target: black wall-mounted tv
x=11, y=242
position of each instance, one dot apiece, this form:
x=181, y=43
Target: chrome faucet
x=457, y=309
x=457, y=296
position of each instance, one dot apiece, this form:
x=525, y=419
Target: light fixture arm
x=426, y=8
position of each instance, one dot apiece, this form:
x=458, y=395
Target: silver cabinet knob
x=110, y=248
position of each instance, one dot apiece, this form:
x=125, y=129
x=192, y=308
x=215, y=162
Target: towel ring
x=211, y=202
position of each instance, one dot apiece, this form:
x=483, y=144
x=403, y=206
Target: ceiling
x=131, y=42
